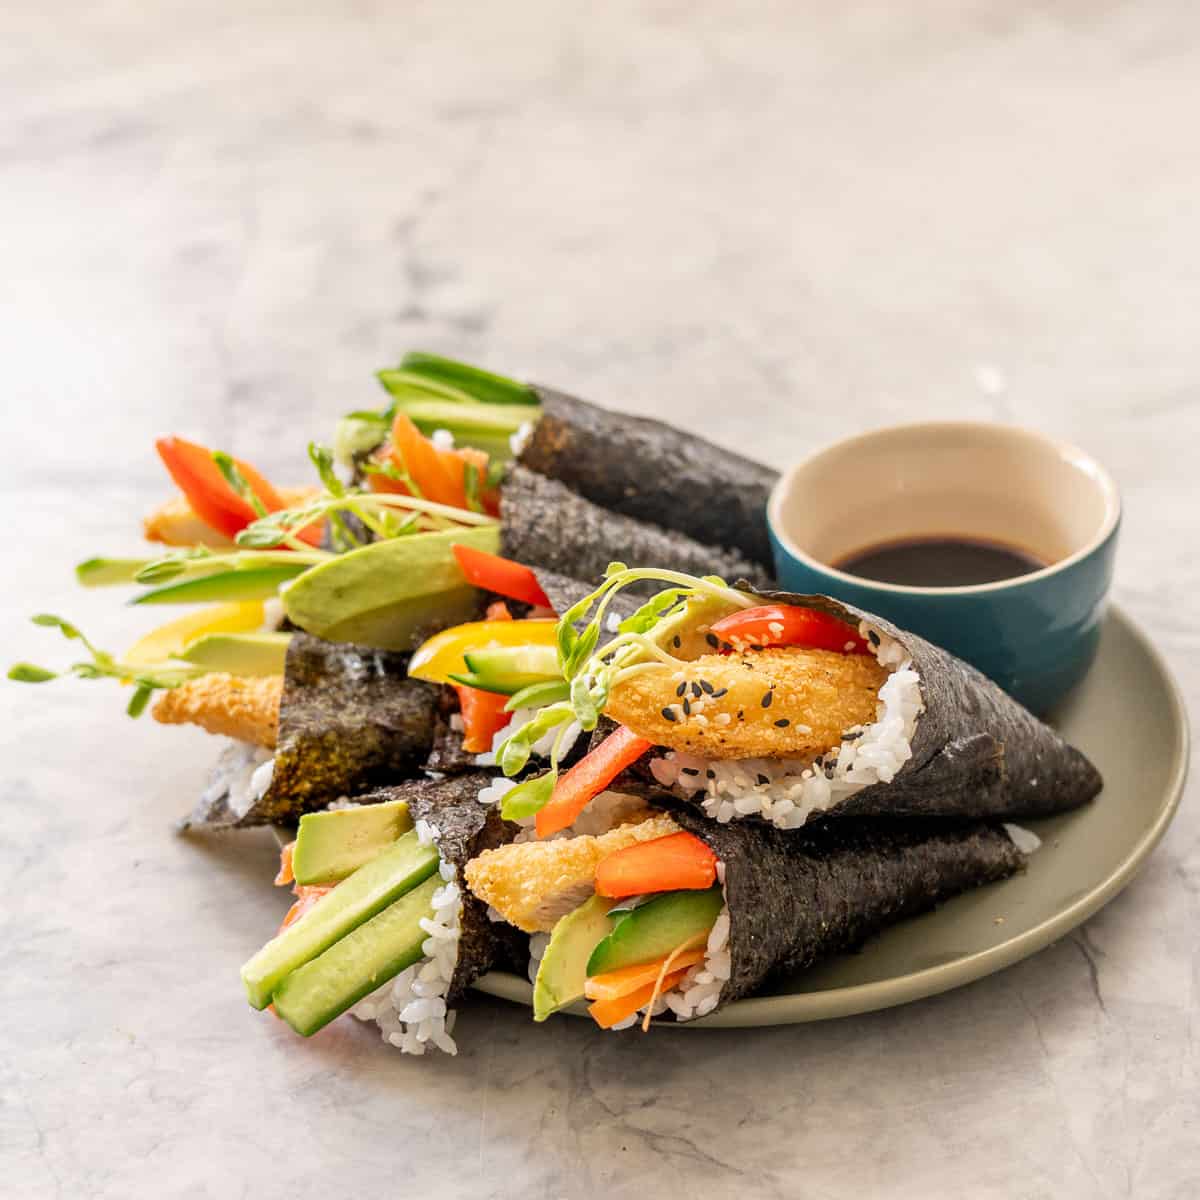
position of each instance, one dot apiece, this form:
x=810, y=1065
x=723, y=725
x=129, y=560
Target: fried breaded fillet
x=533, y=884
x=781, y=702
x=174, y=523
x=246, y=708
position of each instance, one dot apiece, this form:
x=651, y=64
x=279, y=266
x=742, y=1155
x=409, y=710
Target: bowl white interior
x=961, y=479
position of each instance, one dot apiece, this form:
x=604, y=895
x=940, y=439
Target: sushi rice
x=410, y=1009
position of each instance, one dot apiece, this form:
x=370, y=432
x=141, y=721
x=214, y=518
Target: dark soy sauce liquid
x=940, y=562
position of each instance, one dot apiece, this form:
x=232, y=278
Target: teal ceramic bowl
x=1036, y=634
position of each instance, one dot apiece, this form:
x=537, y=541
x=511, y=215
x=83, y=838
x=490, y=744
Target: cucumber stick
x=465, y=419
x=353, y=967
x=477, y=383
x=252, y=583
x=509, y=669
x=357, y=899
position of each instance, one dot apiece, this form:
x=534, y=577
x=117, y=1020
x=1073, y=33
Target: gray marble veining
x=779, y=224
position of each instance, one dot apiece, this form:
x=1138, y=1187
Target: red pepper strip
x=500, y=575
x=211, y=497
x=588, y=778
x=483, y=716
x=675, y=863
x=793, y=626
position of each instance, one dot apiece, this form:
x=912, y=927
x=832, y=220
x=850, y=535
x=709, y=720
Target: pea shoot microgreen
x=146, y=679
x=591, y=670
x=382, y=514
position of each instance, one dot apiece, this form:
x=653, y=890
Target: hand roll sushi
x=660, y=911
x=341, y=719
x=647, y=471
x=782, y=708
x=382, y=927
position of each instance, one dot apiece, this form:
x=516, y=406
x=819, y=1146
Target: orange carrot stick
x=612, y=985
x=607, y=1013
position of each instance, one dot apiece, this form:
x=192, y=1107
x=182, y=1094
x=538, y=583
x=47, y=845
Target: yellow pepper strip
x=442, y=655
x=169, y=640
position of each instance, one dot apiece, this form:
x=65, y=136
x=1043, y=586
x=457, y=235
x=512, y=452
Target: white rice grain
x=411, y=1010
x=788, y=791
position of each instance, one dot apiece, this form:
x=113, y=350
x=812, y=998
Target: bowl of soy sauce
x=993, y=541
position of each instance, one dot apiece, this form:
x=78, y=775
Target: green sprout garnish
x=236, y=480
x=102, y=665
x=591, y=670
x=384, y=514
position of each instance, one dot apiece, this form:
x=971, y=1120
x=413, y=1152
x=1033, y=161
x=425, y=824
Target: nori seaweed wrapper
x=564, y=592
x=976, y=752
x=795, y=899
x=465, y=828
x=350, y=718
x=446, y=754
x=652, y=471
x=545, y=524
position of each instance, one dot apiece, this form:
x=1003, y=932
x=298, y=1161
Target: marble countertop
x=780, y=228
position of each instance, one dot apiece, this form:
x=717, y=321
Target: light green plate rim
x=1130, y=688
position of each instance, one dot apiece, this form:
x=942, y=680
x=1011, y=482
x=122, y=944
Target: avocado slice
x=239, y=653
x=563, y=969
x=353, y=967
x=383, y=594
x=508, y=669
x=251, y=583
x=370, y=889
x=334, y=844
x=656, y=928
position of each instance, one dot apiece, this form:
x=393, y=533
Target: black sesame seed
x=669, y=713
x=741, y=714
x=676, y=642
x=873, y=636
x=696, y=691
x=687, y=707
x=689, y=771
x=757, y=647
x=727, y=647
x=783, y=722
x=681, y=688
x=768, y=696
x=763, y=780
x=711, y=773
x=854, y=733
x=712, y=640
x=718, y=693
x=708, y=687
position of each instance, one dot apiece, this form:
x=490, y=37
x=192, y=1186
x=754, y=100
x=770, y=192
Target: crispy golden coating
x=782, y=702
x=240, y=707
x=174, y=523
x=533, y=884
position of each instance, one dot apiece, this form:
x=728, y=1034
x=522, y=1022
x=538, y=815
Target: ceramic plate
x=1129, y=718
